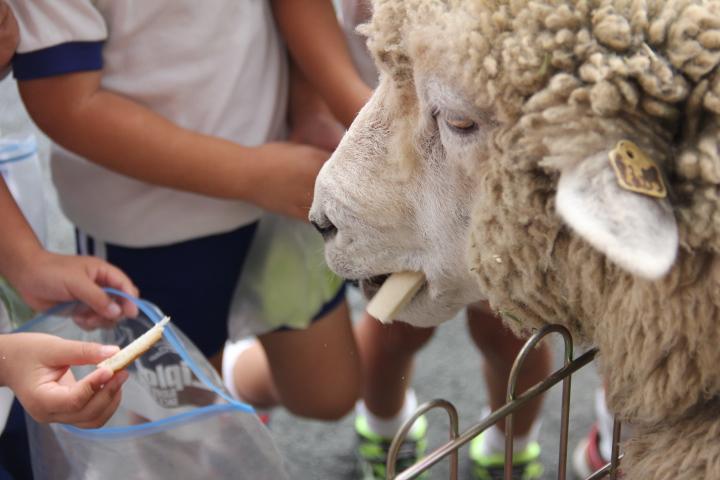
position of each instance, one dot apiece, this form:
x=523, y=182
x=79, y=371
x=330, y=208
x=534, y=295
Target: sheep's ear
x=634, y=229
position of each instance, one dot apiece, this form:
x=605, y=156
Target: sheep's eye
x=461, y=125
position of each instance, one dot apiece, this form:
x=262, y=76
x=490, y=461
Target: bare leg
x=499, y=348
x=313, y=373
x=253, y=379
x=387, y=353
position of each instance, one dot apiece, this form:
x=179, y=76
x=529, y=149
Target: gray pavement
x=449, y=367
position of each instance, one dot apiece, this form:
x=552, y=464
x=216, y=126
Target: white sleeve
x=46, y=23
x=57, y=37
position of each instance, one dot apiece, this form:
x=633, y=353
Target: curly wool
x=565, y=80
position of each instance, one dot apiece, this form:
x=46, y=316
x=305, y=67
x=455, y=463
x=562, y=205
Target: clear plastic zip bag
x=175, y=420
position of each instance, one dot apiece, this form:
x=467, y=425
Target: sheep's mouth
x=369, y=286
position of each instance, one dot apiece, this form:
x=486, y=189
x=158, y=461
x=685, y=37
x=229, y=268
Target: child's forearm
x=124, y=136
x=318, y=46
x=17, y=241
x=131, y=139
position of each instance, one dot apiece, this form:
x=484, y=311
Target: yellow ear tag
x=635, y=171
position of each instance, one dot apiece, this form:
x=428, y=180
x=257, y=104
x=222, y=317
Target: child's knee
x=329, y=405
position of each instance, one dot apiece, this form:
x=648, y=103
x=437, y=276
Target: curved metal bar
x=605, y=471
x=445, y=449
x=402, y=434
x=512, y=387
x=615, y=456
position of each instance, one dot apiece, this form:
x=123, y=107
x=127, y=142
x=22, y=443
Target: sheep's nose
x=323, y=225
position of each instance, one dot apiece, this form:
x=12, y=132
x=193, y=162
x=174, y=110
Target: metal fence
x=514, y=402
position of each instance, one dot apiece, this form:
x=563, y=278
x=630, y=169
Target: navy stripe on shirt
x=57, y=60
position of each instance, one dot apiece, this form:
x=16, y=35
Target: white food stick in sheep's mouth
x=394, y=294
x=137, y=347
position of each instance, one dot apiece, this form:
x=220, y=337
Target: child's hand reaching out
x=36, y=367
x=47, y=279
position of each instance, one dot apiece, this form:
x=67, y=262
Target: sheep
x=496, y=156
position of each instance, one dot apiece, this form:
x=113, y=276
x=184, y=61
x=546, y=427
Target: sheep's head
x=485, y=151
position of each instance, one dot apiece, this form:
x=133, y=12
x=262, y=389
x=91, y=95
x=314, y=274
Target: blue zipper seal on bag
x=149, y=428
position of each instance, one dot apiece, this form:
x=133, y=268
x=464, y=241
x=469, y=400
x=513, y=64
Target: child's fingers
x=61, y=353
x=102, y=418
x=77, y=396
x=100, y=407
x=89, y=320
x=111, y=276
x=87, y=291
x=98, y=378
x=116, y=278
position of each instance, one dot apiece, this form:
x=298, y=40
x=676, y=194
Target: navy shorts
x=192, y=281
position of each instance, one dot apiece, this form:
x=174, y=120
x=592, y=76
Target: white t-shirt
x=216, y=66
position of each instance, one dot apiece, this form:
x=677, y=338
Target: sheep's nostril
x=325, y=227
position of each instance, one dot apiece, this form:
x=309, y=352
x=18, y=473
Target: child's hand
x=290, y=182
x=36, y=368
x=8, y=34
x=319, y=129
x=47, y=279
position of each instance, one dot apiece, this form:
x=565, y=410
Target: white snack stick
x=140, y=345
x=394, y=294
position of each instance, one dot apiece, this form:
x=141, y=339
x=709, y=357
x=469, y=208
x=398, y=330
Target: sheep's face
x=486, y=141
x=397, y=195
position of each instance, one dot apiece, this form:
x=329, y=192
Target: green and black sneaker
x=372, y=449
x=526, y=463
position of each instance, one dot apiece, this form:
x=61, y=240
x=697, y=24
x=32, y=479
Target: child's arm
x=35, y=367
x=318, y=46
x=44, y=279
x=8, y=36
x=126, y=137
x=311, y=121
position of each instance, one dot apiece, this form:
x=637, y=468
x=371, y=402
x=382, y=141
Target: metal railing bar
x=512, y=387
x=402, y=434
x=614, y=457
x=565, y=413
x=604, y=471
x=438, y=454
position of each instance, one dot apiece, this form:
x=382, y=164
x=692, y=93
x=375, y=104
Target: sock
x=388, y=427
x=494, y=439
x=231, y=352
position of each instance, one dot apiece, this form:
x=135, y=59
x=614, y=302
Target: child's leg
x=499, y=348
x=313, y=373
x=387, y=353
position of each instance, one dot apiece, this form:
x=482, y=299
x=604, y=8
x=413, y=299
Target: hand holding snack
x=36, y=367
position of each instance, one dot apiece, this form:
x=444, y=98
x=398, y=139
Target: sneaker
x=587, y=458
x=526, y=463
x=372, y=449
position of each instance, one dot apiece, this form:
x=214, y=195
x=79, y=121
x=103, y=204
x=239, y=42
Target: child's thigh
x=317, y=367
